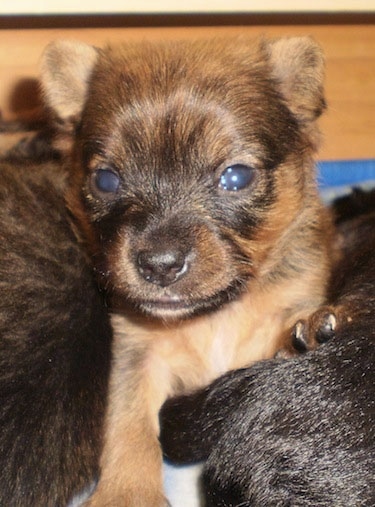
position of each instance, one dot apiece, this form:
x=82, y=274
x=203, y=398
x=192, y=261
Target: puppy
x=194, y=186
x=299, y=432
x=55, y=340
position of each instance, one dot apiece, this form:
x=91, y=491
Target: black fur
x=297, y=432
x=54, y=345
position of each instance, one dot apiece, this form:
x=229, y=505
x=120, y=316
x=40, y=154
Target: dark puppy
x=35, y=139
x=299, y=432
x=54, y=344
x=195, y=189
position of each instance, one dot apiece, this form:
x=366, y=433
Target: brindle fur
x=167, y=119
x=54, y=344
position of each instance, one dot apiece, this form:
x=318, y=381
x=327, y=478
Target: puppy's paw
x=309, y=333
x=319, y=328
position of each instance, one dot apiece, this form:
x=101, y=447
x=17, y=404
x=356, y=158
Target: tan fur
x=67, y=99
x=284, y=262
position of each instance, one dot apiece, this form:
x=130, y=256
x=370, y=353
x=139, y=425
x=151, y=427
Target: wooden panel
x=348, y=126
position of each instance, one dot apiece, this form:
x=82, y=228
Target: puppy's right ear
x=66, y=68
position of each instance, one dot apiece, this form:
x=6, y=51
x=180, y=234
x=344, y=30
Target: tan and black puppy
x=195, y=188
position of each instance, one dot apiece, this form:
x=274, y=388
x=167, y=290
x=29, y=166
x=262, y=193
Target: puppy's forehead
x=178, y=126
x=218, y=100
x=212, y=63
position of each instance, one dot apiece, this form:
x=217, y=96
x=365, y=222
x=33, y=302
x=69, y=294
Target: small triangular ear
x=66, y=68
x=298, y=66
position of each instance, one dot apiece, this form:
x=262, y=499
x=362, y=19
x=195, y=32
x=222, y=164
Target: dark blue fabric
x=345, y=172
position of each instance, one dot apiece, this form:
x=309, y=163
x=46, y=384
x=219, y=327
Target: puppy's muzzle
x=162, y=267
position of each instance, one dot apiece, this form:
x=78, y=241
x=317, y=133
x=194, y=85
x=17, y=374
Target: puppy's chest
x=236, y=338
x=192, y=353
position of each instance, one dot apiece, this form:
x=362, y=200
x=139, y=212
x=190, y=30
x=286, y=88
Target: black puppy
x=54, y=344
x=296, y=432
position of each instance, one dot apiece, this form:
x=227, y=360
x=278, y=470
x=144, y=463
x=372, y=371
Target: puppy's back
x=54, y=345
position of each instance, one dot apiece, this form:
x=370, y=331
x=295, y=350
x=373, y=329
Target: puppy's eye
x=236, y=177
x=106, y=180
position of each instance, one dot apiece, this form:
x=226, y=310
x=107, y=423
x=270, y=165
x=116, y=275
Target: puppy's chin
x=173, y=308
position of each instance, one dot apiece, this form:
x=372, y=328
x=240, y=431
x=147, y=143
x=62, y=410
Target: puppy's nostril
x=162, y=268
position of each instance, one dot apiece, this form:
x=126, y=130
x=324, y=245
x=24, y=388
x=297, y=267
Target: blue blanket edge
x=337, y=173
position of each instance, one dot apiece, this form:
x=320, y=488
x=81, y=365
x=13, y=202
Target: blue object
x=337, y=178
x=345, y=172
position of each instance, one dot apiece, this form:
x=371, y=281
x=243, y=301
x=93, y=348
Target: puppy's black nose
x=162, y=267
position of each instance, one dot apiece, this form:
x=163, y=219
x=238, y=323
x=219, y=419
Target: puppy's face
x=188, y=156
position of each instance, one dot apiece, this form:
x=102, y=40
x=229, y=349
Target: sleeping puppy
x=194, y=187
x=55, y=340
x=298, y=432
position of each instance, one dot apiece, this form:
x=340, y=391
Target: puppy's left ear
x=298, y=65
x=66, y=68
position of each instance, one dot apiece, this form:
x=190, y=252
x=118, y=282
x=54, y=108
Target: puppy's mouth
x=168, y=306
x=172, y=307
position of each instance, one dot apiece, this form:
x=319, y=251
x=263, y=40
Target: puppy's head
x=191, y=160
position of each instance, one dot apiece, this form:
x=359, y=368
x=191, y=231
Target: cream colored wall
x=170, y=6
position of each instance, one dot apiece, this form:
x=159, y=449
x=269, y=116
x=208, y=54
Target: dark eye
x=106, y=181
x=236, y=177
